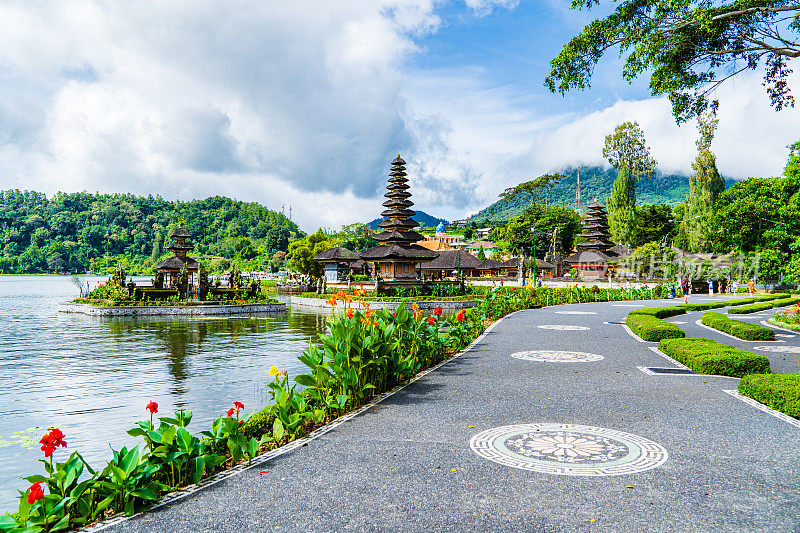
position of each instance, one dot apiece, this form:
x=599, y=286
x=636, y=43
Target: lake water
x=92, y=377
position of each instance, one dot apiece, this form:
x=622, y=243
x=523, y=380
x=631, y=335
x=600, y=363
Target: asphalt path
x=407, y=464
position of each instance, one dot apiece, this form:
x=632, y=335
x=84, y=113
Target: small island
x=180, y=287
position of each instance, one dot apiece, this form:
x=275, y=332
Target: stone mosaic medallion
x=552, y=356
x=563, y=327
x=575, y=313
x=568, y=449
x=779, y=349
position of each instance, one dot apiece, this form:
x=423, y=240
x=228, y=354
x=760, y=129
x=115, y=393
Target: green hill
x=596, y=182
x=424, y=219
x=81, y=231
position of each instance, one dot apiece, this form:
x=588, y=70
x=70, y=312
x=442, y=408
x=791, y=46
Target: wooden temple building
x=596, y=255
x=396, y=258
x=171, y=266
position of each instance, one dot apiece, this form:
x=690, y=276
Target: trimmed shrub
x=737, y=328
x=756, y=299
x=785, y=302
x=706, y=356
x=653, y=329
x=660, y=312
x=703, y=307
x=779, y=391
x=752, y=308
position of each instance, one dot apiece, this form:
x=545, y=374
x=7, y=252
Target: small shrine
x=397, y=256
x=172, y=266
x=596, y=254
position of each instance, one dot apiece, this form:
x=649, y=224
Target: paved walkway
x=426, y=459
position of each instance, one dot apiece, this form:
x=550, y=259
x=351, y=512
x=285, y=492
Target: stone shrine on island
x=179, y=248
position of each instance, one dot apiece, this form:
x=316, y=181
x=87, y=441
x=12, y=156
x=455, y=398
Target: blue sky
x=305, y=104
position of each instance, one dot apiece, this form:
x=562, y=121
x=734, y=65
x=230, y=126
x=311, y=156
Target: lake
x=92, y=377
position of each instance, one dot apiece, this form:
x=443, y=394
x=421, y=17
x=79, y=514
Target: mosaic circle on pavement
x=568, y=449
x=563, y=327
x=552, y=356
x=779, y=349
x=576, y=313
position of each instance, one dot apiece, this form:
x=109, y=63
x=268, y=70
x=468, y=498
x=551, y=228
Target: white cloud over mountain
x=301, y=104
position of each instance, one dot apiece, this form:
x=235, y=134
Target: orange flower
x=369, y=313
x=331, y=301
x=431, y=320
x=415, y=307
x=460, y=315
x=349, y=313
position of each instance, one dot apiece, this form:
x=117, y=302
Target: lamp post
x=533, y=232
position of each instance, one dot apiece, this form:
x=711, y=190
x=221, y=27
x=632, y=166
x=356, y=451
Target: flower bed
x=779, y=391
x=737, y=328
x=706, y=356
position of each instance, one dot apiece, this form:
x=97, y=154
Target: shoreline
x=172, y=310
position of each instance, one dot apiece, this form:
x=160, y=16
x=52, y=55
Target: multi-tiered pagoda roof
x=596, y=248
x=398, y=237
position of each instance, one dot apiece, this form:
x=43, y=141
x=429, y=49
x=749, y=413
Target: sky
x=305, y=104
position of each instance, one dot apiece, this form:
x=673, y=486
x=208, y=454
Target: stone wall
x=174, y=310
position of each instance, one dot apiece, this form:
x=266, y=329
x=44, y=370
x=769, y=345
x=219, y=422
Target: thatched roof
x=393, y=251
x=591, y=257
x=341, y=255
x=180, y=232
x=452, y=260
x=490, y=264
x=175, y=264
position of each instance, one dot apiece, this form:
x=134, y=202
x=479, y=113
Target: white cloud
x=303, y=104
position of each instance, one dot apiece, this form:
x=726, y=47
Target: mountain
x=423, y=218
x=596, y=183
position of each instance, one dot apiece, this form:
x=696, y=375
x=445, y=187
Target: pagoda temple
x=596, y=254
x=397, y=256
x=179, y=248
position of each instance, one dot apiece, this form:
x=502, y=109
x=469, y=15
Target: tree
x=535, y=191
x=653, y=223
x=545, y=219
x=628, y=152
x=300, y=257
x=705, y=186
x=277, y=239
x=687, y=47
x=481, y=254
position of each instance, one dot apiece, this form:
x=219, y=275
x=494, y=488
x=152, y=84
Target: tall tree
x=705, y=186
x=687, y=47
x=628, y=152
x=535, y=190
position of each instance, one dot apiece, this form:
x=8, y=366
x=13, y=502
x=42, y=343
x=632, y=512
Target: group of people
x=686, y=288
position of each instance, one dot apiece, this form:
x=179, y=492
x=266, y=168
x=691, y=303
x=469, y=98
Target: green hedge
x=756, y=299
x=660, y=312
x=737, y=328
x=779, y=391
x=703, y=307
x=752, y=308
x=653, y=329
x=706, y=356
x=259, y=423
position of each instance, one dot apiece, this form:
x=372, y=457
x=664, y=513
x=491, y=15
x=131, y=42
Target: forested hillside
x=596, y=182
x=425, y=220
x=82, y=231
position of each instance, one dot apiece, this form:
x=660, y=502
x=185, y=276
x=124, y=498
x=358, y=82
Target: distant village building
x=451, y=264
x=453, y=241
x=436, y=245
x=596, y=254
x=338, y=263
x=488, y=247
x=483, y=233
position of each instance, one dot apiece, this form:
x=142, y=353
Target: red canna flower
x=437, y=311
x=230, y=411
x=349, y=313
x=394, y=314
x=431, y=320
x=460, y=315
x=241, y=422
x=35, y=492
x=152, y=407
x=238, y=405
x=51, y=441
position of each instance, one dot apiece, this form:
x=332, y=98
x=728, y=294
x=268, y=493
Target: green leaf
x=306, y=380
x=252, y=448
x=61, y=524
x=199, y=467
x=146, y=493
x=341, y=400
x=277, y=429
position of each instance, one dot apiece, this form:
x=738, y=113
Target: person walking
x=752, y=286
x=685, y=289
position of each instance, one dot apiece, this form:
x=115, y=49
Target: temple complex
x=397, y=255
